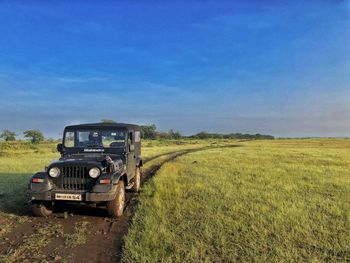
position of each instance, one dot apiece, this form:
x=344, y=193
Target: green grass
x=270, y=201
x=19, y=160
x=78, y=237
x=13, y=193
x=279, y=201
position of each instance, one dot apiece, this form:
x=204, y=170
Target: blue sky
x=277, y=67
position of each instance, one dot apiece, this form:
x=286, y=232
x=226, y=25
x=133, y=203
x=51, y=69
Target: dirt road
x=77, y=233
x=45, y=239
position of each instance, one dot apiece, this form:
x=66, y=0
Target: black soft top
x=104, y=126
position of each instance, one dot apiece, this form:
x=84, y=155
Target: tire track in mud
x=105, y=236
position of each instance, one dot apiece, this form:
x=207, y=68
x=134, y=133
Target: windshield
x=95, y=138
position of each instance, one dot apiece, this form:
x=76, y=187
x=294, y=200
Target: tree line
x=206, y=135
x=147, y=132
x=150, y=132
x=35, y=136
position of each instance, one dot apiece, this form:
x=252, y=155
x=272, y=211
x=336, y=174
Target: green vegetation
x=206, y=135
x=266, y=200
x=78, y=237
x=19, y=160
x=35, y=136
x=8, y=135
x=150, y=132
x=271, y=201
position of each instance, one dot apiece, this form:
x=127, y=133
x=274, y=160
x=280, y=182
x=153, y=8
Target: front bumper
x=47, y=190
x=85, y=196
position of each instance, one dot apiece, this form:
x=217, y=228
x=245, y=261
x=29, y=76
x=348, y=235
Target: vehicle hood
x=89, y=160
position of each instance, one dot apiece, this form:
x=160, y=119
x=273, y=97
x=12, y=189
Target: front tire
x=116, y=207
x=137, y=180
x=42, y=209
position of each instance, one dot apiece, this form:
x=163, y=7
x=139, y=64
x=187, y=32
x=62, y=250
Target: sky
x=271, y=67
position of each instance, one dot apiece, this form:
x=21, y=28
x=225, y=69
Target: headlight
x=54, y=172
x=94, y=172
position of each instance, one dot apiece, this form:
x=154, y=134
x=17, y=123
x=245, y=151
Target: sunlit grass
x=78, y=237
x=281, y=200
x=23, y=157
x=272, y=201
x=19, y=160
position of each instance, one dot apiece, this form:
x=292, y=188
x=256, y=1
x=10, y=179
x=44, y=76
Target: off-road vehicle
x=98, y=163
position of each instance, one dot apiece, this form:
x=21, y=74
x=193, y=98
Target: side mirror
x=131, y=148
x=59, y=147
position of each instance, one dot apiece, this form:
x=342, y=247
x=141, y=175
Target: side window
x=137, y=136
x=69, y=139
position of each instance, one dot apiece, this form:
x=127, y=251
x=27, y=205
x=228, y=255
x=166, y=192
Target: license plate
x=71, y=197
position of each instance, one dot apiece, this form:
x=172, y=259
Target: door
x=131, y=157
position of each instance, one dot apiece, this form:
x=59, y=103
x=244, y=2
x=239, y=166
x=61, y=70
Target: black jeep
x=98, y=163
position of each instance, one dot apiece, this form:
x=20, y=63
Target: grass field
x=18, y=161
x=271, y=201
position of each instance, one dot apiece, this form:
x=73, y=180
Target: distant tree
x=108, y=121
x=35, y=136
x=202, y=135
x=174, y=134
x=162, y=135
x=8, y=135
x=149, y=131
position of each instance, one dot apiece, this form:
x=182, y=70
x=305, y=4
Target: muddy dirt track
x=105, y=236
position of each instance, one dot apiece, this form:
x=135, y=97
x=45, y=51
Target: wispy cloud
x=77, y=79
x=22, y=75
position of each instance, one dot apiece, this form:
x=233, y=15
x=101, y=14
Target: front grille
x=75, y=178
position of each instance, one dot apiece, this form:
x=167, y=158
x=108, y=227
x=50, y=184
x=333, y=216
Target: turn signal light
x=105, y=181
x=37, y=180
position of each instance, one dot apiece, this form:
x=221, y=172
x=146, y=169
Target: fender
x=103, y=188
x=44, y=185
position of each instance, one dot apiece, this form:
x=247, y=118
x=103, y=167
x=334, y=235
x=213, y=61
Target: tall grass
x=270, y=201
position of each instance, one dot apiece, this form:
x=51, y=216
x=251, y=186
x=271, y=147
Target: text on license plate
x=72, y=197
